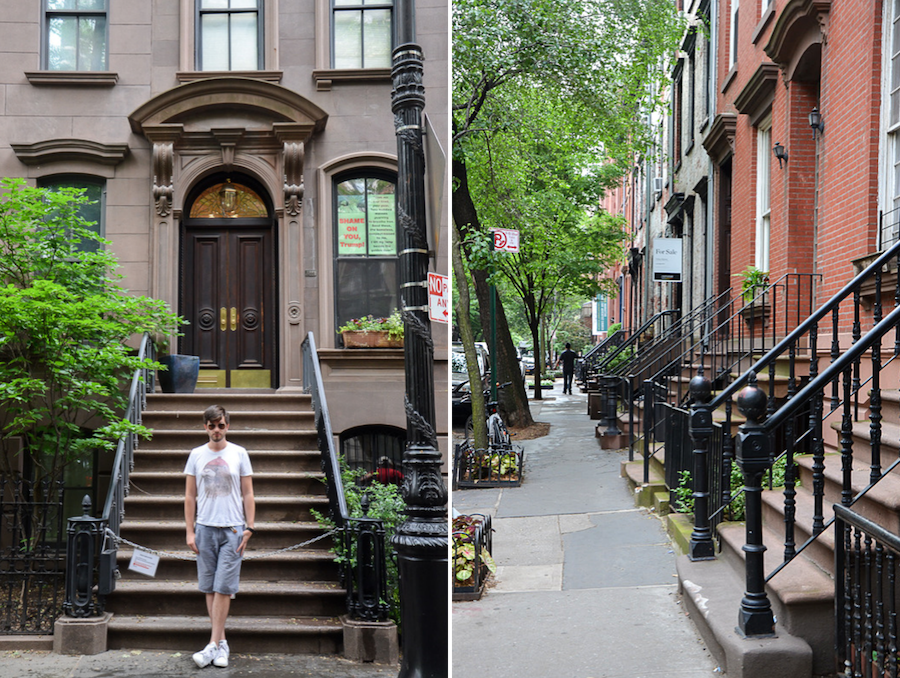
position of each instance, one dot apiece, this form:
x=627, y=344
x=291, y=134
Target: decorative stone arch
x=224, y=124
x=800, y=26
x=324, y=217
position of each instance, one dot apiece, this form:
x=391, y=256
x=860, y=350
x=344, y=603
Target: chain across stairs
x=180, y=556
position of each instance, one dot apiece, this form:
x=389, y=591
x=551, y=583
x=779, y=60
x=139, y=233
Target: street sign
x=506, y=240
x=438, y=298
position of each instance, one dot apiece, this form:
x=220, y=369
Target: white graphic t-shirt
x=218, y=474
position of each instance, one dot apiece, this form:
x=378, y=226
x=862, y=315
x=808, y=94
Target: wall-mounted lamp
x=780, y=153
x=816, y=122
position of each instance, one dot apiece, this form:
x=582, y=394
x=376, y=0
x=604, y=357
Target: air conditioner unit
x=657, y=184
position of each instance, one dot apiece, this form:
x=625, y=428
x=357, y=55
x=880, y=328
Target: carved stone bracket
x=228, y=140
x=294, y=313
x=293, y=176
x=163, y=190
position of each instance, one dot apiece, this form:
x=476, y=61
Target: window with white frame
x=362, y=33
x=763, y=210
x=229, y=35
x=733, y=34
x=890, y=203
x=75, y=35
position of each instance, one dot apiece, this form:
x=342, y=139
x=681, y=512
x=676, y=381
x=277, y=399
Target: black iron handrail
x=87, y=535
x=611, y=342
x=364, y=570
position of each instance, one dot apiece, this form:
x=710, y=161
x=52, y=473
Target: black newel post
x=80, y=548
x=612, y=406
x=701, y=428
x=755, y=619
x=421, y=541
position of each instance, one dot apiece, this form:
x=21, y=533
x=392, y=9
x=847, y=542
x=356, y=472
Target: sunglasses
x=219, y=426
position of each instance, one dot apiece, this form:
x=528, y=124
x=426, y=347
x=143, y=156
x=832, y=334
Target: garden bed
x=495, y=467
x=472, y=561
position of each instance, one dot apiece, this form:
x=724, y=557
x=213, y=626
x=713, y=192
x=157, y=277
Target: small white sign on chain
x=506, y=240
x=438, y=297
x=144, y=563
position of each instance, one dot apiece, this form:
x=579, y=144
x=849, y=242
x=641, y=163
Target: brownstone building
x=223, y=140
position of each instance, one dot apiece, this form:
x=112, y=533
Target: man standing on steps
x=219, y=513
x=567, y=358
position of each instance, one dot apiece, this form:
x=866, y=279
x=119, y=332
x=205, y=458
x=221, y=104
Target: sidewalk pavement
x=158, y=664
x=586, y=584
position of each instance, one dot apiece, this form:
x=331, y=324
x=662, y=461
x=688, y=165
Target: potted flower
x=756, y=307
x=372, y=332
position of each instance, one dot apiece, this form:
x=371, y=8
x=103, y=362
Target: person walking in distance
x=219, y=514
x=567, y=358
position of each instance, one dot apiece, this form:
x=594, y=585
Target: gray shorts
x=218, y=563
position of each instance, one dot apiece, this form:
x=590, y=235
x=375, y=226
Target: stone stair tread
x=886, y=492
x=179, y=524
x=297, y=555
x=890, y=432
x=243, y=624
x=266, y=499
x=800, y=582
x=152, y=587
x=804, y=511
x=236, y=431
x=256, y=474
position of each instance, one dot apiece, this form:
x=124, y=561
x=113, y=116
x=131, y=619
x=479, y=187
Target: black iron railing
x=787, y=398
x=364, y=573
x=597, y=352
x=91, y=553
x=31, y=555
x=867, y=565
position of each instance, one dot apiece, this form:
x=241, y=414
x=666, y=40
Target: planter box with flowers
x=499, y=466
x=472, y=561
x=371, y=332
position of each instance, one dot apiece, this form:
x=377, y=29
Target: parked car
x=461, y=403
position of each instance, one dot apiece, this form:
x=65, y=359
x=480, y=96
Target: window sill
x=193, y=76
x=326, y=77
x=73, y=78
x=732, y=74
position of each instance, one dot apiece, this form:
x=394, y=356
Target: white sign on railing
x=667, y=257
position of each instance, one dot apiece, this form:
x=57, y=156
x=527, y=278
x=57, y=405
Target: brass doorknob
x=223, y=313
x=233, y=318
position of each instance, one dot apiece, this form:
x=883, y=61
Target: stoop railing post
x=755, y=619
x=701, y=430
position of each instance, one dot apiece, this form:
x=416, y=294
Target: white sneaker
x=221, y=659
x=206, y=655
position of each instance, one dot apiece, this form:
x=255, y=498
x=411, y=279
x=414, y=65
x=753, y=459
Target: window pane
x=92, y=44
x=243, y=4
x=377, y=38
x=378, y=2
x=347, y=40
x=346, y=3
x=244, y=51
x=62, y=40
x=214, y=54
x=214, y=4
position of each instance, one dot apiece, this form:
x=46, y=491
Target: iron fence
x=32, y=564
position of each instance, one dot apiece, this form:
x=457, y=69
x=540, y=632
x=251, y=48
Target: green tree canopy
x=65, y=324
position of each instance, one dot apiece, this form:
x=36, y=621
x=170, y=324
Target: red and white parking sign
x=438, y=298
x=506, y=240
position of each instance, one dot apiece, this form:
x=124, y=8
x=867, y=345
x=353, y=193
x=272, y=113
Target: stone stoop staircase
x=288, y=602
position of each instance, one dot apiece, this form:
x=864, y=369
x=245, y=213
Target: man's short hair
x=214, y=413
x=568, y=345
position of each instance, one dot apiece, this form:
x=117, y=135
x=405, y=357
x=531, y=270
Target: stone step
x=186, y=439
x=170, y=535
x=232, y=401
x=712, y=593
x=257, y=634
x=244, y=420
x=283, y=508
x=801, y=595
x=146, y=597
x=299, y=565
x=820, y=550
x=880, y=504
x=261, y=460
x=266, y=483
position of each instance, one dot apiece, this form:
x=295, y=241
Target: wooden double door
x=228, y=294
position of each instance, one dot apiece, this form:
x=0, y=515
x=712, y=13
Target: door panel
x=228, y=291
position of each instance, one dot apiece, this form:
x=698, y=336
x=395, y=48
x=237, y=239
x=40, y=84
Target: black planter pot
x=180, y=375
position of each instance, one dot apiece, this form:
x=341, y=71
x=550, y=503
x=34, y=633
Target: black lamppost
x=421, y=541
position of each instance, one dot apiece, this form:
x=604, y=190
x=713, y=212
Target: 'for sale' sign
x=438, y=298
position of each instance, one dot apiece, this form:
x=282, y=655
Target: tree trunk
x=479, y=414
x=505, y=365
